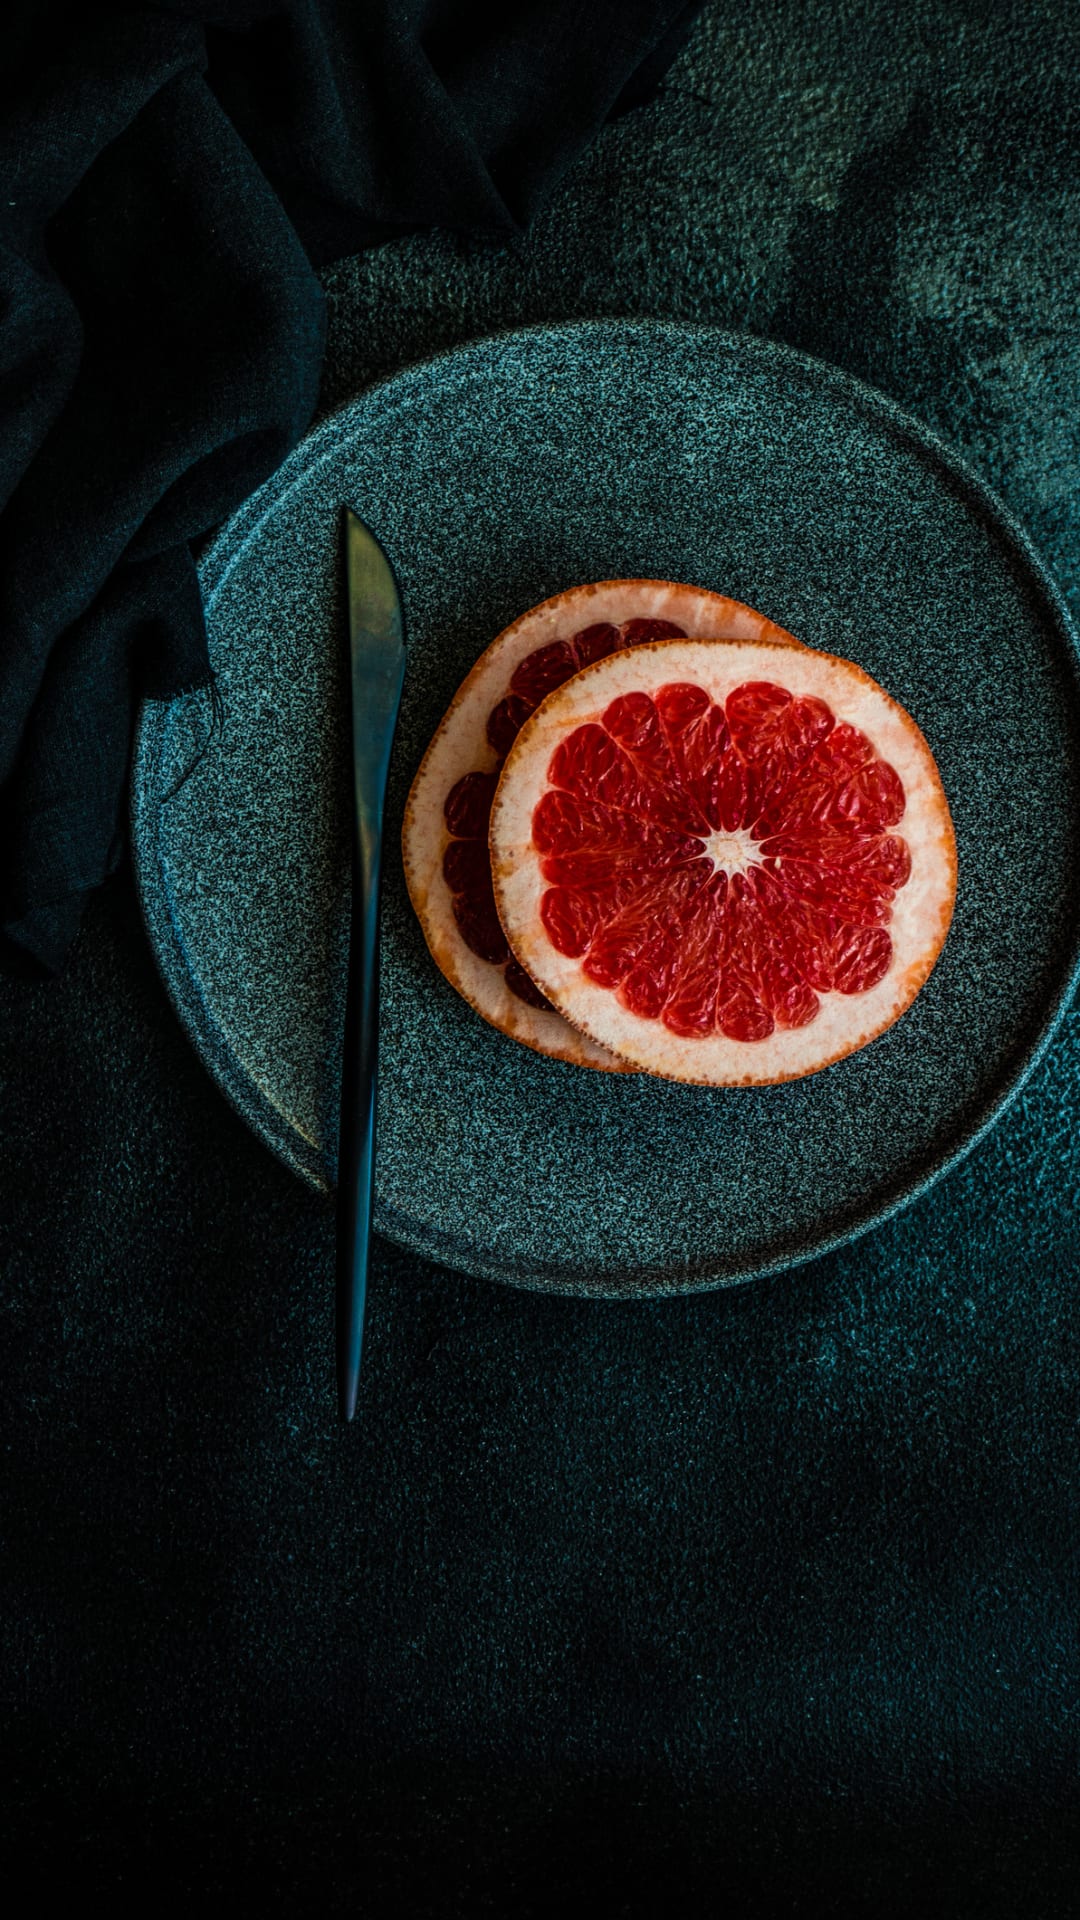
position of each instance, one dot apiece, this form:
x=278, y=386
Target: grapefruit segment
x=445, y=835
x=730, y=864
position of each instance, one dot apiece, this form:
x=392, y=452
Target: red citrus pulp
x=445, y=836
x=725, y=863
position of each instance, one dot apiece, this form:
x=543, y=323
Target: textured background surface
x=769, y=1593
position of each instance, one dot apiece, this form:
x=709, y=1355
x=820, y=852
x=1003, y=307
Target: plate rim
x=243, y=1094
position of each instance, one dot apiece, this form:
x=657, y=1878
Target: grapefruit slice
x=727, y=864
x=445, y=835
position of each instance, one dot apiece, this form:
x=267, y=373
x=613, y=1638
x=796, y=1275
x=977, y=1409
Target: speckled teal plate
x=497, y=475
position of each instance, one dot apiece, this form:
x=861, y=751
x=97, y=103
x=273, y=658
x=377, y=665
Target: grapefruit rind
x=921, y=913
x=460, y=746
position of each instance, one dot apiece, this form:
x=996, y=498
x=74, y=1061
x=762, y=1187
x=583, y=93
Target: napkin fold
x=171, y=176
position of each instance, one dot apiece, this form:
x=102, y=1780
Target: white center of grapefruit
x=733, y=852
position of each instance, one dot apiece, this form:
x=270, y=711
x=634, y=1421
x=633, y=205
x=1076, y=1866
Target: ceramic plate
x=497, y=475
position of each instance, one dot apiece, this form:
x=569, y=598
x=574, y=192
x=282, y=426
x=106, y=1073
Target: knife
x=377, y=670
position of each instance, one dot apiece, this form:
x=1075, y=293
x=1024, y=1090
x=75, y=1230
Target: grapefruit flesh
x=728, y=864
x=445, y=835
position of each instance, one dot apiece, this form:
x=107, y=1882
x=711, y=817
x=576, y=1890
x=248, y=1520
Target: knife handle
x=356, y=1140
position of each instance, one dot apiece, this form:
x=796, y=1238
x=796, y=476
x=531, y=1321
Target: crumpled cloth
x=170, y=179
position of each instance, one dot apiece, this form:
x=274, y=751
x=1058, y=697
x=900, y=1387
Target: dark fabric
x=170, y=173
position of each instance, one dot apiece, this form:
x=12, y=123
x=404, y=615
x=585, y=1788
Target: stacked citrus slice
x=654, y=832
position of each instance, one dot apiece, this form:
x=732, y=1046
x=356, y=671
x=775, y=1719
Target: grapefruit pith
x=727, y=864
x=445, y=834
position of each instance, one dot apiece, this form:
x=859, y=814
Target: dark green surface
x=569, y=454
x=766, y=1600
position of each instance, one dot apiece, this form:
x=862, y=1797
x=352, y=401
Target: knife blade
x=376, y=673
